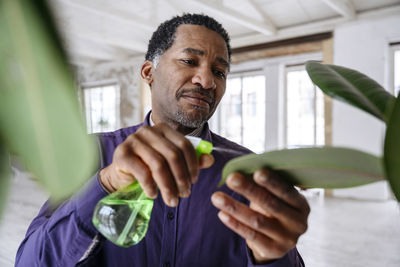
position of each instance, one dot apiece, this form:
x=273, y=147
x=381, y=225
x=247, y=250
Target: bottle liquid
x=123, y=216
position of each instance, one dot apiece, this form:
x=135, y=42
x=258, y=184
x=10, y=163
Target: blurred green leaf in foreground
x=40, y=120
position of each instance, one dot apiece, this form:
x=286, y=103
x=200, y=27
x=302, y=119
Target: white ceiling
x=97, y=31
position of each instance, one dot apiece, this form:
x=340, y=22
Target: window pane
x=231, y=111
x=254, y=113
x=101, y=106
x=396, y=72
x=320, y=117
x=304, y=111
x=300, y=109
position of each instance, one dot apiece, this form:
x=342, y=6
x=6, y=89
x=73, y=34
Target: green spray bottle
x=123, y=216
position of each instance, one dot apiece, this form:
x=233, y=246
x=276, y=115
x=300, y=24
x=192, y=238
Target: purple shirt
x=188, y=235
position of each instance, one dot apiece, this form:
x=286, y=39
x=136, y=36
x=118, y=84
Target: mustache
x=199, y=90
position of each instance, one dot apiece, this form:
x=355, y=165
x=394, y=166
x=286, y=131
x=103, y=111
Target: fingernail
x=186, y=193
x=173, y=202
x=217, y=200
x=234, y=181
x=261, y=176
x=152, y=194
x=223, y=217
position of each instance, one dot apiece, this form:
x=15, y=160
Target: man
x=192, y=224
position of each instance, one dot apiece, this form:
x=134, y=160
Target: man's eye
x=188, y=61
x=219, y=74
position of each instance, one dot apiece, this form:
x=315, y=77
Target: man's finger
x=206, y=161
x=133, y=168
x=170, y=154
x=266, y=247
x=189, y=153
x=159, y=168
x=248, y=217
x=264, y=201
x=281, y=189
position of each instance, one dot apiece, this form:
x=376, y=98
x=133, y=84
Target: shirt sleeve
x=291, y=259
x=60, y=237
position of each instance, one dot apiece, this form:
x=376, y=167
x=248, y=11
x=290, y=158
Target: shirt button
x=170, y=216
x=167, y=264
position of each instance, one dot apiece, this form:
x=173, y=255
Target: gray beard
x=189, y=121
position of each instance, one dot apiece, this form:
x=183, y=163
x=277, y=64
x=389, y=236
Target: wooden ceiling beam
x=233, y=15
x=311, y=28
x=75, y=29
x=257, y=7
x=114, y=41
x=343, y=7
x=92, y=7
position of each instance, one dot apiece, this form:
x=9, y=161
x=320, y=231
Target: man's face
x=190, y=78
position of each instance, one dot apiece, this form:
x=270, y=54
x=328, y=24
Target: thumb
x=205, y=161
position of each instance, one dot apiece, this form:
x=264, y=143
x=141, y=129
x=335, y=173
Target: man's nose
x=205, y=78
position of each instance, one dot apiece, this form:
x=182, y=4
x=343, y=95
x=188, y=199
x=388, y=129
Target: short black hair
x=164, y=36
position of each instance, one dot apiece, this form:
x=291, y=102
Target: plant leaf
x=4, y=176
x=392, y=150
x=314, y=167
x=40, y=119
x=352, y=87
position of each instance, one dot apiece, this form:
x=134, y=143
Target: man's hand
x=275, y=219
x=157, y=157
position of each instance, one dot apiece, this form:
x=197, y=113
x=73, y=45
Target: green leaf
x=392, y=150
x=4, y=176
x=40, y=120
x=352, y=87
x=314, y=167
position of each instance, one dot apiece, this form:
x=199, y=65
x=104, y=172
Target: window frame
x=215, y=120
x=274, y=71
x=299, y=67
x=99, y=84
x=393, y=47
x=235, y=75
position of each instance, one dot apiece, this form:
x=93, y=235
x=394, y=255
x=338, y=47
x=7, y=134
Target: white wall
x=363, y=45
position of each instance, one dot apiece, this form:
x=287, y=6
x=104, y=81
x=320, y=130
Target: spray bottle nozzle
x=201, y=146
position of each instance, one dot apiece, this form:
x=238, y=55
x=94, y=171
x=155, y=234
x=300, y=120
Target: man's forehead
x=198, y=37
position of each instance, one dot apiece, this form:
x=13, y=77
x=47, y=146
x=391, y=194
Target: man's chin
x=192, y=119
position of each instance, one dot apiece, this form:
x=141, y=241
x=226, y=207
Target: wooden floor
x=342, y=232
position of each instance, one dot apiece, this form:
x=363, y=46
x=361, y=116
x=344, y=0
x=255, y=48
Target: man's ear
x=147, y=71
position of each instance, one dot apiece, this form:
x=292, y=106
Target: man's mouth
x=197, y=98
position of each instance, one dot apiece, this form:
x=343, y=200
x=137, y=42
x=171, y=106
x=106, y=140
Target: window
x=242, y=112
x=396, y=70
x=269, y=106
x=101, y=105
x=305, y=124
